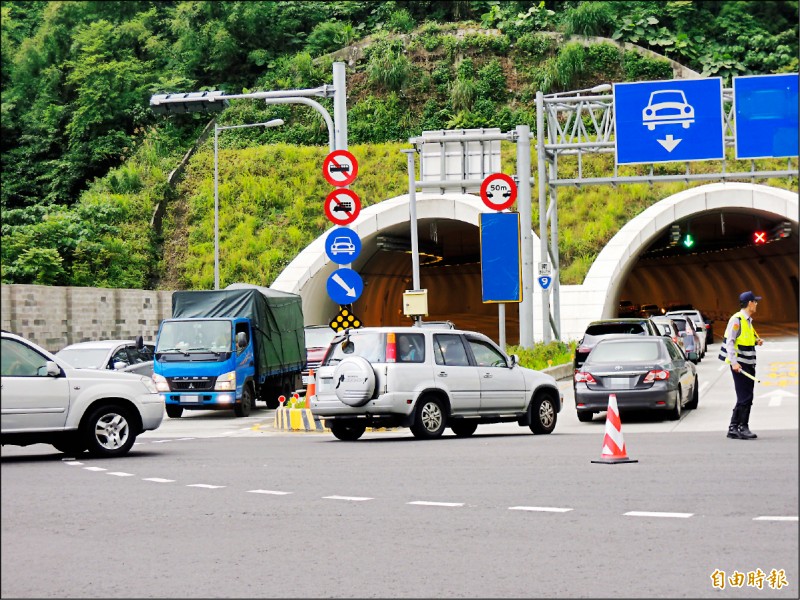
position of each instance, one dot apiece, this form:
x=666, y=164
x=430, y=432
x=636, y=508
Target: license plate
x=619, y=383
x=190, y=398
x=306, y=379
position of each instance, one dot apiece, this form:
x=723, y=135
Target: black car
x=642, y=372
x=598, y=329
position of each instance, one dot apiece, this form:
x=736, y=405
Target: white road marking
x=425, y=503
x=158, y=479
x=205, y=485
x=273, y=492
x=766, y=518
x=94, y=468
x=119, y=474
x=68, y=461
x=637, y=513
x=351, y=498
x=540, y=508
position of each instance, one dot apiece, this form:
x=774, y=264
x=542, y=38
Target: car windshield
x=84, y=358
x=623, y=351
x=317, y=337
x=608, y=328
x=195, y=335
x=667, y=96
x=367, y=345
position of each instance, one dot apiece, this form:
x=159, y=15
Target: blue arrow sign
x=342, y=245
x=345, y=286
x=545, y=282
x=665, y=121
x=766, y=115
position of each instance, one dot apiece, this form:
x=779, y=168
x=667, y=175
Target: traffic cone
x=613, y=444
x=311, y=390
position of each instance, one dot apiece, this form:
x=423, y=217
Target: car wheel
x=429, y=420
x=70, y=445
x=695, y=396
x=109, y=431
x=543, y=415
x=463, y=428
x=347, y=432
x=585, y=416
x=174, y=412
x=675, y=413
x=243, y=409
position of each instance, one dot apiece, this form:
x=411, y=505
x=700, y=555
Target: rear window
x=626, y=351
x=609, y=328
x=367, y=345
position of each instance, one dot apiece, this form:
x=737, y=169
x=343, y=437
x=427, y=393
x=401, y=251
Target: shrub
x=388, y=68
x=589, y=18
x=401, y=21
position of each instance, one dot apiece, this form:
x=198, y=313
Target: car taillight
x=391, y=348
x=581, y=377
x=659, y=375
x=675, y=339
x=584, y=349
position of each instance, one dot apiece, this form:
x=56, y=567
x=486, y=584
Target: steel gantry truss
x=582, y=122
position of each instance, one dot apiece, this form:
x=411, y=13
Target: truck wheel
x=109, y=432
x=243, y=409
x=174, y=412
x=543, y=414
x=347, y=432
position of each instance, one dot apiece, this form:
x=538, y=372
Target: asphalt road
x=213, y=506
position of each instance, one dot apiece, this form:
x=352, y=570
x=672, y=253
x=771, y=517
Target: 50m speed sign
x=498, y=191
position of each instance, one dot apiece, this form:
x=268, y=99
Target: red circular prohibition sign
x=498, y=191
x=342, y=206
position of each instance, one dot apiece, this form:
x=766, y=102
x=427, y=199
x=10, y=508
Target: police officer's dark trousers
x=744, y=395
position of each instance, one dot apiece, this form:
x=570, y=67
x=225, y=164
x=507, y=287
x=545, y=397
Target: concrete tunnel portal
x=723, y=263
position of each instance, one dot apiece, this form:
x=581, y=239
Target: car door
x=30, y=398
x=502, y=388
x=141, y=360
x=455, y=375
x=682, y=369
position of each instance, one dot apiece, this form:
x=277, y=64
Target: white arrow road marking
x=350, y=291
x=670, y=143
x=777, y=396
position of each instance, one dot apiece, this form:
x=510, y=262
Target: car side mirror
x=514, y=360
x=692, y=356
x=241, y=339
x=53, y=370
x=119, y=365
x=139, y=342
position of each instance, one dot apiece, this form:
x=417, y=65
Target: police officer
x=739, y=349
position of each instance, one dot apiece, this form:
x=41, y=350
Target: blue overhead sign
x=501, y=267
x=666, y=121
x=345, y=286
x=765, y=108
x=342, y=245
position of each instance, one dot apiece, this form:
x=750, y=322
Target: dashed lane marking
x=426, y=503
x=351, y=498
x=768, y=518
x=158, y=480
x=119, y=474
x=540, y=508
x=205, y=485
x=95, y=469
x=270, y=492
x=667, y=515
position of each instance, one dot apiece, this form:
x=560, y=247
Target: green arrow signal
x=688, y=240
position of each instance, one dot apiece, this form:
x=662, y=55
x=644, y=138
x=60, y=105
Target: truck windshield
x=195, y=336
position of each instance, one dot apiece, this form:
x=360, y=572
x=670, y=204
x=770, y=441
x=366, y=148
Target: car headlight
x=160, y=383
x=150, y=384
x=226, y=381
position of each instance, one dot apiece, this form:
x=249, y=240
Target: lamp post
x=217, y=129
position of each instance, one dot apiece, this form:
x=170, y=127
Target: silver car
x=129, y=356
x=699, y=326
x=428, y=380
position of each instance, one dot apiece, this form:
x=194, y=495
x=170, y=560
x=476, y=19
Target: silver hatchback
x=428, y=380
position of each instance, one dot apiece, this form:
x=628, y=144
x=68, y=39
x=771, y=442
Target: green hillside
x=85, y=193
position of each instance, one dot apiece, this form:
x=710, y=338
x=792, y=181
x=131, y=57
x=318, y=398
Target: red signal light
x=759, y=237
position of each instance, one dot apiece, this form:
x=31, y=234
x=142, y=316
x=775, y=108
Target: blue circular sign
x=345, y=286
x=342, y=245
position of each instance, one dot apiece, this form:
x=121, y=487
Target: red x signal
x=760, y=237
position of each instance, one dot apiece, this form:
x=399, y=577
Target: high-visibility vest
x=745, y=344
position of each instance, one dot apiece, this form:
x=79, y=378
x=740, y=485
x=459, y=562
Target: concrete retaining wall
x=54, y=317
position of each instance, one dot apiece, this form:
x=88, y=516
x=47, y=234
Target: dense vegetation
x=85, y=162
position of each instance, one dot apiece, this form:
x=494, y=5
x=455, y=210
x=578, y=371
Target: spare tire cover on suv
x=354, y=380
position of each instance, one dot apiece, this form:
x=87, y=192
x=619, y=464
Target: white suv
x=47, y=401
x=699, y=325
x=428, y=379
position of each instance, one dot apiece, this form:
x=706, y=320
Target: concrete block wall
x=54, y=317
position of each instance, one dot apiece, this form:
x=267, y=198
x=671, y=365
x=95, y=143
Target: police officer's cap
x=748, y=297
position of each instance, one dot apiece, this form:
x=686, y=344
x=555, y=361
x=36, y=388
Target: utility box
x=415, y=303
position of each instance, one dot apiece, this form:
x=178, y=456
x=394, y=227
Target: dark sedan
x=596, y=330
x=643, y=372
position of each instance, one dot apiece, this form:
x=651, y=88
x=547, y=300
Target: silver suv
x=428, y=379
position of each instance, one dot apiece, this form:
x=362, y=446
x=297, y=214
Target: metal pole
x=340, y=106
x=501, y=319
x=412, y=207
x=556, y=325
x=216, y=206
x=526, y=240
x=542, y=168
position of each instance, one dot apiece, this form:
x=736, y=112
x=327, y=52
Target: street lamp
x=217, y=129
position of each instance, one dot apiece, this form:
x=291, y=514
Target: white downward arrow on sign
x=669, y=143
x=350, y=291
x=776, y=396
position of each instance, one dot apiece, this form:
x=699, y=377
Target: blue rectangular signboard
x=765, y=108
x=501, y=267
x=666, y=121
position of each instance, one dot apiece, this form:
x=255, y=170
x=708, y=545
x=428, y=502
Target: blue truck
x=225, y=349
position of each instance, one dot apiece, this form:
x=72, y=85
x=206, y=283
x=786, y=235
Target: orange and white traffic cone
x=613, y=444
x=311, y=390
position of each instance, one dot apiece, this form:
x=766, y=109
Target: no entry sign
x=340, y=168
x=498, y=191
x=342, y=206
